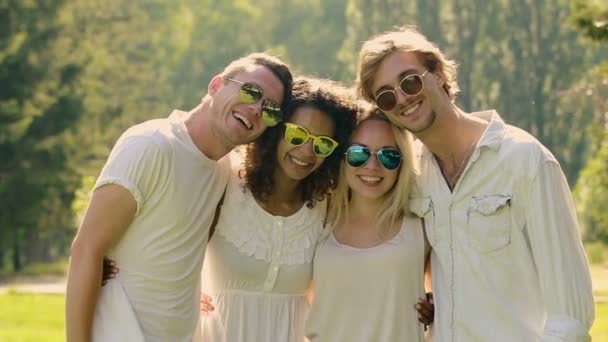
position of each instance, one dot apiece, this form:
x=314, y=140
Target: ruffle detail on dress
x=254, y=232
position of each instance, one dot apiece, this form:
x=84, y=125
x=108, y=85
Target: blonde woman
x=369, y=270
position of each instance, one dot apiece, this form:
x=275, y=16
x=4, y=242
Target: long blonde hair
x=396, y=205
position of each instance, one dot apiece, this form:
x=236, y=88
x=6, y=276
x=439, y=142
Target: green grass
x=37, y=317
x=31, y=317
x=599, y=331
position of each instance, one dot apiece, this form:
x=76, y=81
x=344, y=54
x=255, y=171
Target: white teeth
x=370, y=179
x=298, y=162
x=411, y=109
x=243, y=119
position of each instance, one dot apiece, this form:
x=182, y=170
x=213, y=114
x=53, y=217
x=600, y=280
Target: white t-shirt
x=177, y=188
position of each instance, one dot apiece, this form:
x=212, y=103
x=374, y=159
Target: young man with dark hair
x=153, y=204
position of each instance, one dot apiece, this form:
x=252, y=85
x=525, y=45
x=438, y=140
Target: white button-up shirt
x=507, y=259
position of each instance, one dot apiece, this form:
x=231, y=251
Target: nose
x=308, y=147
x=373, y=162
x=256, y=107
x=401, y=96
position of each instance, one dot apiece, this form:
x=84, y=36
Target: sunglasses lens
x=270, y=119
x=357, y=155
x=411, y=84
x=389, y=158
x=271, y=113
x=323, y=146
x=386, y=100
x=295, y=135
x=250, y=92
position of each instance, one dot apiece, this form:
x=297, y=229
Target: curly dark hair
x=332, y=98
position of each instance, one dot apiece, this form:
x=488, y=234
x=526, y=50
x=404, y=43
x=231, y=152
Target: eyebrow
x=309, y=132
x=399, y=78
x=385, y=146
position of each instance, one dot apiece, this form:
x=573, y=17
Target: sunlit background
x=75, y=74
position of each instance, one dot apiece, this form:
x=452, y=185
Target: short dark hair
x=332, y=98
x=279, y=68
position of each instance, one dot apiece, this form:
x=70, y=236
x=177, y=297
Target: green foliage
x=82, y=197
x=37, y=106
x=591, y=16
x=55, y=268
x=595, y=251
x=75, y=74
x=591, y=192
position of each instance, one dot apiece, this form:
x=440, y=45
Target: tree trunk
x=17, y=264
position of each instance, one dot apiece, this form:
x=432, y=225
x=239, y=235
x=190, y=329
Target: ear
x=215, y=85
x=439, y=78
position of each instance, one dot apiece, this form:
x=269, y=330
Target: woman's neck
x=361, y=229
x=364, y=210
x=286, y=197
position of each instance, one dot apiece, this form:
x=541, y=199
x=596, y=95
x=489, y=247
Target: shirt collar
x=492, y=137
x=495, y=131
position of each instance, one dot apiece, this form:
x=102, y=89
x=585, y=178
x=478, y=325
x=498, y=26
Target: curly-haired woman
x=258, y=264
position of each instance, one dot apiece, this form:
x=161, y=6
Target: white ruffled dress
x=258, y=268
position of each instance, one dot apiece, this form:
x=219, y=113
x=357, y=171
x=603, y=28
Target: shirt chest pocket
x=489, y=222
x=423, y=208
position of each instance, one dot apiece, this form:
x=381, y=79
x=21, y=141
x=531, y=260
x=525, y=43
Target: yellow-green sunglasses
x=297, y=135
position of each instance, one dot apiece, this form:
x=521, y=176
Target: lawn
x=31, y=318
x=599, y=331
x=40, y=317
x=36, y=317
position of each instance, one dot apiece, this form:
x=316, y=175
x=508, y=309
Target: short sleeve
x=136, y=163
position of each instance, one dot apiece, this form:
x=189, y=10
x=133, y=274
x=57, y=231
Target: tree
x=591, y=192
x=591, y=17
x=36, y=106
x=514, y=55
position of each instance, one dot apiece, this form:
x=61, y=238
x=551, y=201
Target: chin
x=428, y=123
x=371, y=195
x=297, y=175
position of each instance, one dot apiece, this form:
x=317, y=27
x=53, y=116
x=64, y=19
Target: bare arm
x=428, y=281
x=108, y=216
x=426, y=306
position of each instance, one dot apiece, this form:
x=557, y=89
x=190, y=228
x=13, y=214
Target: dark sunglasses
x=389, y=158
x=297, y=135
x=251, y=93
x=411, y=84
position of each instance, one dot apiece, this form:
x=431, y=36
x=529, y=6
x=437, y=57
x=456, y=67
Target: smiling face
x=372, y=180
x=412, y=112
x=237, y=122
x=297, y=162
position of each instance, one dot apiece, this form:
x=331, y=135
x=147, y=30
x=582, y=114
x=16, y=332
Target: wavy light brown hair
x=329, y=97
x=376, y=49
